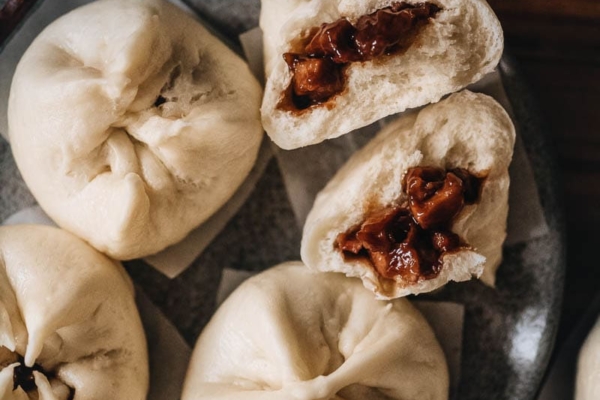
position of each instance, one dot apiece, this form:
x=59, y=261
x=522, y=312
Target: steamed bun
x=69, y=327
x=587, y=384
x=456, y=45
x=467, y=137
x=291, y=334
x=131, y=124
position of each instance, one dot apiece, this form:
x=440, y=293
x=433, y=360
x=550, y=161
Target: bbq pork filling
x=410, y=240
x=319, y=65
x=24, y=378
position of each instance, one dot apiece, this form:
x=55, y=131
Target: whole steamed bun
x=69, y=327
x=131, y=124
x=291, y=334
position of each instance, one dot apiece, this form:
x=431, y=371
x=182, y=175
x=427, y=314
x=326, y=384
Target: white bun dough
x=462, y=43
x=131, y=124
x=291, y=334
x=587, y=385
x=466, y=130
x=70, y=310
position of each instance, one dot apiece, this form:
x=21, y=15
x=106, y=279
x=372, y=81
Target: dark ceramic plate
x=508, y=331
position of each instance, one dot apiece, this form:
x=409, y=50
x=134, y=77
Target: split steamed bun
x=131, y=124
x=344, y=232
x=460, y=43
x=288, y=333
x=587, y=386
x=69, y=327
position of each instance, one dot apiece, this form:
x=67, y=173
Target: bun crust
x=288, y=333
x=461, y=44
x=131, y=124
x=466, y=130
x=587, y=385
x=70, y=311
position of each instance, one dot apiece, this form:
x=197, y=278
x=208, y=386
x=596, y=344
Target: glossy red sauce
x=410, y=240
x=318, y=67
